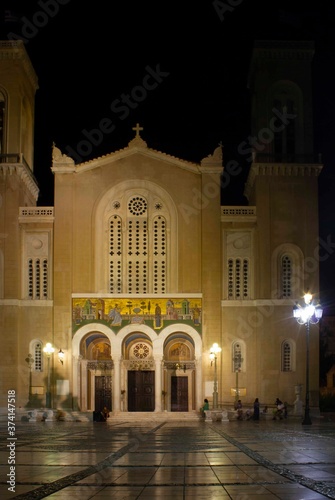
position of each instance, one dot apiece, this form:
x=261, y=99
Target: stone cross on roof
x=137, y=129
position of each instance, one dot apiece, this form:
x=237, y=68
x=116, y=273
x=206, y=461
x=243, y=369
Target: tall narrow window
x=286, y=357
x=30, y=279
x=287, y=264
x=230, y=279
x=45, y=279
x=138, y=248
x=238, y=279
x=115, y=254
x=245, y=279
x=286, y=276
x=284, y=136
x=159, y=255
x=137, y=251
x=37, y=279
x=38, y=357
x=237, y=357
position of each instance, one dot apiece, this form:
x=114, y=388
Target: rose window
x=137, y=206
x=141, y=351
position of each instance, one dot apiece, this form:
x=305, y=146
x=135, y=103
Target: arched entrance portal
x=139, y=372
x=137, y=369
x=95, y=351
x=179, y=373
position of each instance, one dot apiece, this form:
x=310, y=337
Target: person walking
x=256, y=410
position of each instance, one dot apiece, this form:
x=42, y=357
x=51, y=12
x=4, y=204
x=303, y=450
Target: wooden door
x=179, y=393
x=141, y=391
x=103, y=392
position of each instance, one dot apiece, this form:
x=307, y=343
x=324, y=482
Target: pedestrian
x=256, y=410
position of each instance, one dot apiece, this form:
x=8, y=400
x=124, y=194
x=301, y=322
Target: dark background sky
x=87, y=54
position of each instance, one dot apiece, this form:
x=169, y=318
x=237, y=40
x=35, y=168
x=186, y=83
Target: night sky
x=89, y=56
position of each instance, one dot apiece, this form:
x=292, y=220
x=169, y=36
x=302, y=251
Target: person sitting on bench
x=279, y=410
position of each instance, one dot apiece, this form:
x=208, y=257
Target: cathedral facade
x=138, y=268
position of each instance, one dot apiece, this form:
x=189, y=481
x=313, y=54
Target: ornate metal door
x=141, y=390
x=179, y=393
x=103, y=392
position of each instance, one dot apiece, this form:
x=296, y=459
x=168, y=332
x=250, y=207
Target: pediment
x=137, y=146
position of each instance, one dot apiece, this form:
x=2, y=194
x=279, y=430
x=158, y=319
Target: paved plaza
x=163, y=459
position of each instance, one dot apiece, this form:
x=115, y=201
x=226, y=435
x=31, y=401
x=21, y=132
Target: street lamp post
x=30, y=361
x=237, y=360
x=48, y=350
x=306, y=315
x=215, y=349
x=237, y=392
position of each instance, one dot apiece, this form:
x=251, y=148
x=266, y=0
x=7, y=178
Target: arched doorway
x=139, y=372
x=172, y=357
x=179, y=373
x=95, y=351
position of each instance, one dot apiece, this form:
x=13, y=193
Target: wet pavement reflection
x=170, y=460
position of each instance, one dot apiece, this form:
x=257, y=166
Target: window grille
x=286, y=357
x=37, y=280
x=137, y=256
x=237, y=357
x=286, y=277
x=238, y=279
x=37, y=357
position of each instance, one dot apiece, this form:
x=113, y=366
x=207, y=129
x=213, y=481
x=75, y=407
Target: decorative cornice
x=179, y=365
x=26, y=303
x=100, y=365
x=23, y=172
x=238, y=211
x=258, y=303
x=36, y=215
x=139, y=364
x=279, y=170
x=130, y=151
x=15, y=49
x=238, y=214
x=148, y=296
x=283, y=49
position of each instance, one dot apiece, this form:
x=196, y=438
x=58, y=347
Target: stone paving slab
x=169, y=460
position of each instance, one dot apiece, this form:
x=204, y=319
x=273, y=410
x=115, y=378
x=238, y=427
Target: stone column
x=198, y=381
x=83, y=389
x=76, y=382
x=158, y=385
x=298, y=403
x=116, y=386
